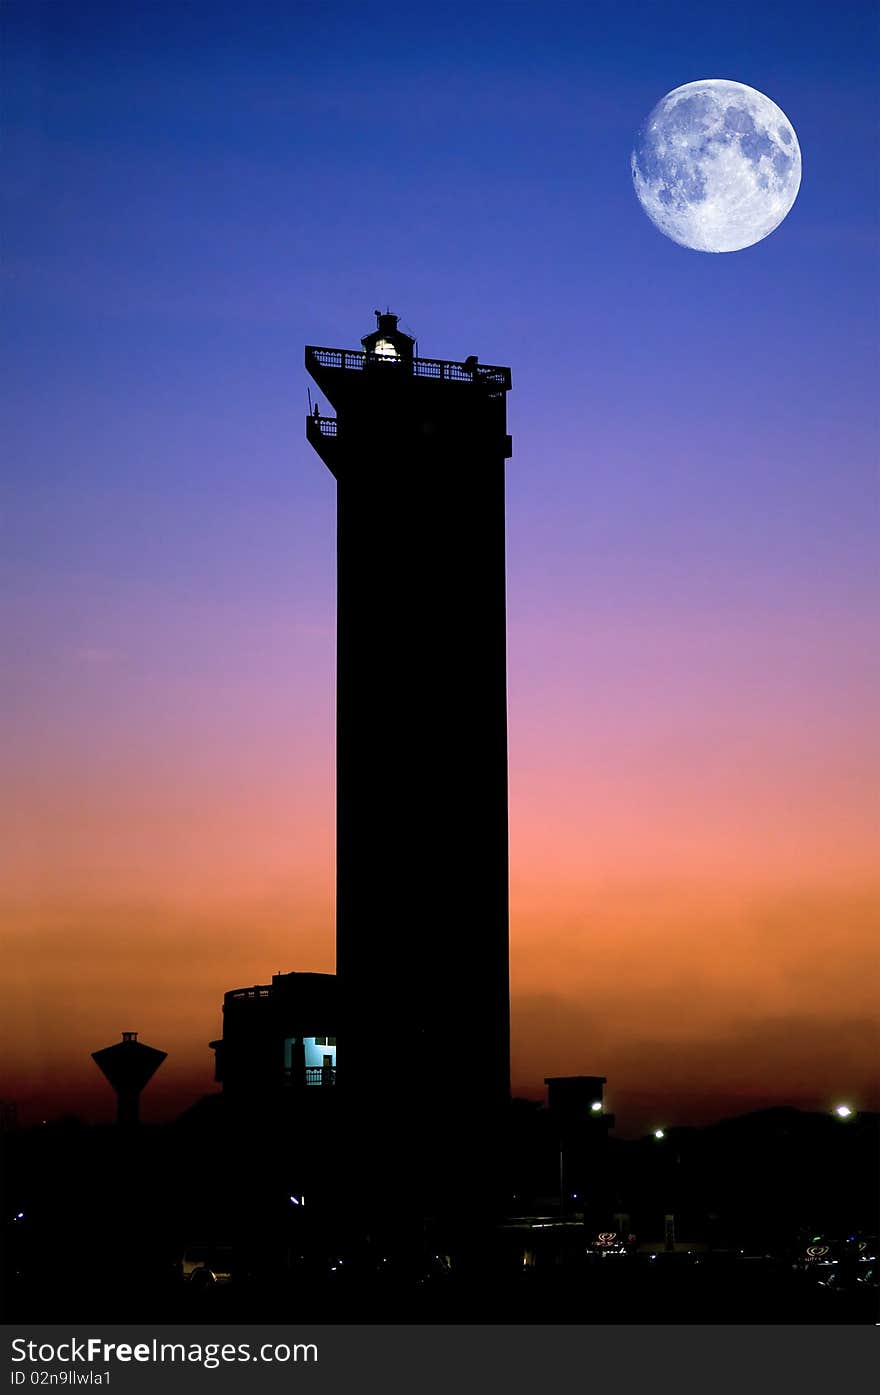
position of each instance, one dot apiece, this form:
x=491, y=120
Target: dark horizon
x=636, y=1114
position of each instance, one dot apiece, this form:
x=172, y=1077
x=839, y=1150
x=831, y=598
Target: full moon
x=717, y=165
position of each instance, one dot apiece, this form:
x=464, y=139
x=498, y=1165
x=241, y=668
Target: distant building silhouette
x=576, y=1110
x=128, y=1065
x=576, y=1099
x=278, y=1036
x=418, y=449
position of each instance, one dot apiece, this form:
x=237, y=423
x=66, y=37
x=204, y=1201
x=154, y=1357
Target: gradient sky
x=193, y=192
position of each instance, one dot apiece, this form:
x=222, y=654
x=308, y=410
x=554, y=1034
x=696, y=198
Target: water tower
x=129, y=1065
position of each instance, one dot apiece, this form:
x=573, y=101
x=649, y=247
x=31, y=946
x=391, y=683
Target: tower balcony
x=322, y=433
x=492, y=379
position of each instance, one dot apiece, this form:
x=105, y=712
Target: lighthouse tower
x=418, y=448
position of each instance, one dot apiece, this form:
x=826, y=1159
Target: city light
x=843, y=1111
x=659, y=1133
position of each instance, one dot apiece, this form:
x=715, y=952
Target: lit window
x=384, y=349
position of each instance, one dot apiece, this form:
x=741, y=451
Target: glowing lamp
x=388, y=343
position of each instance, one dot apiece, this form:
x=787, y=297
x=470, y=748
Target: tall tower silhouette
x=418, y=449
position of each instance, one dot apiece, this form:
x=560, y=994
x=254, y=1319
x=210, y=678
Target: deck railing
x=320, y=1075
x=324, y=426
x=442, y=370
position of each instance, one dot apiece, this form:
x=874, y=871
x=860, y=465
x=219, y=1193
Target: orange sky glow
x=693, y=898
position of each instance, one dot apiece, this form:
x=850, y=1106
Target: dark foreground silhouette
x=771, y=1218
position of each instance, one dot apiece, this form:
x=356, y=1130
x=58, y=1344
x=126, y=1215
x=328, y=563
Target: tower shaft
x=418, y=450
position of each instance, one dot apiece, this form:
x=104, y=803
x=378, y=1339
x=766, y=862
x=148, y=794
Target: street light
x=659, y=1133
x=596, y=1106
x=843, y=1111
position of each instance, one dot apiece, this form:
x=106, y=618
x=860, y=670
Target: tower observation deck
x=418, y=447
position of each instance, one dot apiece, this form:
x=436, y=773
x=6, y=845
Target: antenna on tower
x=309, y=391
x=408, y=329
